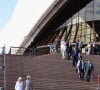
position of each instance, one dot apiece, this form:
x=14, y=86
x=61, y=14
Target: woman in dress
x=19, y=84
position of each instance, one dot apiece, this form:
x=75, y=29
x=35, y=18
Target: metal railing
x=39, y=50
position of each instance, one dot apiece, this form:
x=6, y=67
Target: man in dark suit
x=74, y=57
x=82, y=69
x=69, y=49
x=90, y=68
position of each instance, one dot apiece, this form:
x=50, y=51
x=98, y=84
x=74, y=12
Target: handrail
x=97, y=77
x=21, y=50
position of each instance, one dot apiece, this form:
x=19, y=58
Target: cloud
x=25, y=15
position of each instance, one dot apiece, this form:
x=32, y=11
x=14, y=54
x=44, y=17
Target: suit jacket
x=28, y=85
x=90, y=67
x=84, y=65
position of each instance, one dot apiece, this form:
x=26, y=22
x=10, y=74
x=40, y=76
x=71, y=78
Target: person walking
x=74, y=56
x=82, y=69
x=19, y=84
x=63, y=49
x=88, y=49
x=78, y=63
x=89, y=68
x=28, y=83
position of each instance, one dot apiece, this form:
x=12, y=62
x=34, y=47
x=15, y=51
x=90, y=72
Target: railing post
x=98, y=86
x=4, y=57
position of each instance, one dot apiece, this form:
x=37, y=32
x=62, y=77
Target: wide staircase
x=49, y=72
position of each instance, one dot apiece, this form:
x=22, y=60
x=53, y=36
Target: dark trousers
x=88, y=76
x=82, y=73
x=74, y=61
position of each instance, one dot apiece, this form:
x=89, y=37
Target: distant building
x=68, y=19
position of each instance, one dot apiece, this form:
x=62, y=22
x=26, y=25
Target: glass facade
x=82, y=25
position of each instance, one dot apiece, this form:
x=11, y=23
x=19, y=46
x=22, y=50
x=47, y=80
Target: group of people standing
x=24, y=85
x=82, y=68
x=92, y=48
x=67, y=50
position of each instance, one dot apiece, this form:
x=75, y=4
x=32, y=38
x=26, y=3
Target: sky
x=6, y=10
x=17, y=18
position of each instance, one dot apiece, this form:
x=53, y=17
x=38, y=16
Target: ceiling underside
x=64, y=13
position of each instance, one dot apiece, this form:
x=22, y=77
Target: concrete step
x=49, y=72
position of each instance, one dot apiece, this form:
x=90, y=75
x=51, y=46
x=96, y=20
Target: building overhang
x=55, y=15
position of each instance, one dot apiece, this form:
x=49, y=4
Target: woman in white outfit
x=19, y=84
x=63, y=49
x=88, y=49
x=78, y=63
